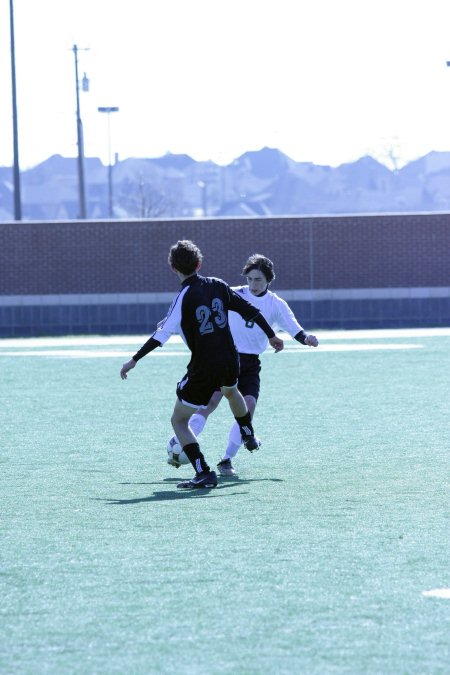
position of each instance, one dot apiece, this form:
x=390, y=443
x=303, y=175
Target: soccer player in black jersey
x=251, y=342
x=199, y=314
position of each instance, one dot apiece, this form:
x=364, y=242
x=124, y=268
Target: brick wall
x=382, y=251
x=377, y=251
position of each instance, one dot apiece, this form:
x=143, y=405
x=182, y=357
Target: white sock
x=234, y=442
x=197, y=423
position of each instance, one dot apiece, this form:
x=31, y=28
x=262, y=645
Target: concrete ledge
x=84, y=299
x=364, y=293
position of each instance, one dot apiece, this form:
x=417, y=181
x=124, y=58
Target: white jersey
x=247, y=336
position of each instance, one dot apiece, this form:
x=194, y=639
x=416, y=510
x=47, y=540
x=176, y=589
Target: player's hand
x=311, y=340
x=126, y=367
x=277, y=343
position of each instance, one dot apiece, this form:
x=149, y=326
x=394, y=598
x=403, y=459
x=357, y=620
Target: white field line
x=353, y=347
x=99, y=353
x=87, y=353
x=438, y=593
x=382, y=333
x=123, y=340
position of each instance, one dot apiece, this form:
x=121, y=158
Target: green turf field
x=315, y=560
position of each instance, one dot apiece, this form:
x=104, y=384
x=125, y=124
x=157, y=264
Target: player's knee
x=177, y=420
x=212, y=405
x=230, y=392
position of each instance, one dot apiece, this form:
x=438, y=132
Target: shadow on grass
x=168, y=495
x=222, y=480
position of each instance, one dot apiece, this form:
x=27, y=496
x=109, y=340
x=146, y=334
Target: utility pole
x=16, y=170
x=108, y=110
x=80, y=144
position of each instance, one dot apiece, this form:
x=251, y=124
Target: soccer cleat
x=225, y=468
x=206, y=479
x=251, y=443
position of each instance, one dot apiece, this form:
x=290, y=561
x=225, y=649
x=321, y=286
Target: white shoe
x=225, y=468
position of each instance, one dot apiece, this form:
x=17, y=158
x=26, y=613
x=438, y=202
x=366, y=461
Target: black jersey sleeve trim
x=301, y=337
x=262, y=323
x=149, y=346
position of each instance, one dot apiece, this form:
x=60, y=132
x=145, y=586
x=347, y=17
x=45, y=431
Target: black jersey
x=199, y=314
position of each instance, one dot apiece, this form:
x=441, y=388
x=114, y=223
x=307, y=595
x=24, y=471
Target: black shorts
x=196, y=388
x=249, y=369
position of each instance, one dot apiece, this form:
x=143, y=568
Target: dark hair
x=261, y=263
x=185, y=256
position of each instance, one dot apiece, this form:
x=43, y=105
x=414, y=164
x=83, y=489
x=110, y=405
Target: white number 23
x=204, y=316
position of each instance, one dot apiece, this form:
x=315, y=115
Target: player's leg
x=225, y=465
x=198, y=419
x=204, y=477
x=180, y=423
x=248, y=385
x=242, y=416
x=234, y=437
x=193, y=392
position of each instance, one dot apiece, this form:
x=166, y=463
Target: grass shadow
x=222, y=479
x=169, y=495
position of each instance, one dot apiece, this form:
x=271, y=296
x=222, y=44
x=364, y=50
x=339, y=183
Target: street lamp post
x=80, y=140
x=108, y=110
x=203, y=187
x=17, y=197
x=447, y=64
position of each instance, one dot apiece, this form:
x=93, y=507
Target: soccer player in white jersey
x=250, y=342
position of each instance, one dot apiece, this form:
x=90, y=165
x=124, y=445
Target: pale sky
x=325, y=81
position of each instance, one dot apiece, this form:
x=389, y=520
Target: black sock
x=196, y=457
x=245, y=425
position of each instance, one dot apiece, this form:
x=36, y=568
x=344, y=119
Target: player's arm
x=287, y=321
x=167, y=327
x=146, y=348
x=306, y=339
x=250, y=313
